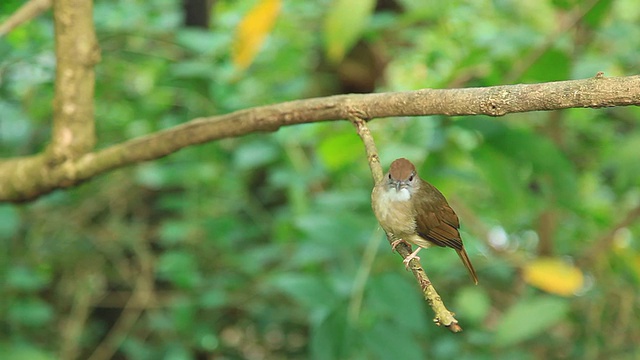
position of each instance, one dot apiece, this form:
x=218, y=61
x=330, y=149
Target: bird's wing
x=438, y=223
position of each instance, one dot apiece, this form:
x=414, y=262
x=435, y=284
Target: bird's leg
x=413, y=255
x=395, y=243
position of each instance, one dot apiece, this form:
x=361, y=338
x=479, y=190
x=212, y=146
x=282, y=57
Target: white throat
x=397, y=195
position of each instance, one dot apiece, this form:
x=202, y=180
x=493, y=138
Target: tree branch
x=443, y=315
x=77, y=53
x=27, y=178
x=141, y=296
x=26, y=12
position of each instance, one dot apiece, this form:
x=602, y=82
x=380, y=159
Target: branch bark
x=77, y=53
x=27, y=178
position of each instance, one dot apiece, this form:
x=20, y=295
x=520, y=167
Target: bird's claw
x=408, y=259
x=413, y=255
x=395, y=243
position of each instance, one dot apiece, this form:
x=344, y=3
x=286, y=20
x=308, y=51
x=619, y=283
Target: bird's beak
x=397, y=185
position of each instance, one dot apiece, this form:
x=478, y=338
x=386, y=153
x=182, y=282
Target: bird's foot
x=413, y=255
x=395, y=243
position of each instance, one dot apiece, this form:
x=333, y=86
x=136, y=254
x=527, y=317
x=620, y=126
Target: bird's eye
x=411, y=177
x=389, y=176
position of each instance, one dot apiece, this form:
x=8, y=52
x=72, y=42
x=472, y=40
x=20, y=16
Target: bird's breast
x=394, y=211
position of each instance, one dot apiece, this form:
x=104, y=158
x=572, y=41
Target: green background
x=265, y=247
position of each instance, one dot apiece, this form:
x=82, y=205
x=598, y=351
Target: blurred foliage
x=264, y=247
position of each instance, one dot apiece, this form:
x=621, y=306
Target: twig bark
x=84, y=290
x=26, y=12
x=442, y=315
x=27, y=178
x=141, y=296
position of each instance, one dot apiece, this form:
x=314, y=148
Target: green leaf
x=16, y=131
x=213, y=298
x=23, y=352
x=472, y=304
x=31, y=312
x=340, y=150
x=173, y=232
x=501, y=176
x=309, y=290
x=330, y=228
x=514, y=158
x=621, y=158
x=191, y=69
x=392, y=340
x=550, y=166
x=177, y=351
x=529, y=318
x=255, y=153
x=134, y=348
x=553, y=65
x=330, y=336
x=151, y=175
x=183, y=315
x=10, y=221
x=390, y=292
x=344, y=24
x=199, y=41
x=25, y=278
x=598, y=13
x=179, y=267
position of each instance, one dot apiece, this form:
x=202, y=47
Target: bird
x=415, y=212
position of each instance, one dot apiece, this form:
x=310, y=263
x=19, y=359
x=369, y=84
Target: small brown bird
x=414, y=211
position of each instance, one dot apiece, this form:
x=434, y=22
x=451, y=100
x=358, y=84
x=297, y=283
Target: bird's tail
x=467, y=263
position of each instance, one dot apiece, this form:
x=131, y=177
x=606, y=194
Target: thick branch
x=27, y=178
x=77, y=53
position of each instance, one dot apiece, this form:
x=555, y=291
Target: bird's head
x=402, y=177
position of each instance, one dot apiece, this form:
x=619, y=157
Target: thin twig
x=84, y=290
x=26, y=12
x=565, y=25
x=357, y=294
x=605, y=241
x=442, y=315
x=141, y=296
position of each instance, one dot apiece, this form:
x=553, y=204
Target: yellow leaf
x=252, y=31
x=554, y=276
x=344, y=24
